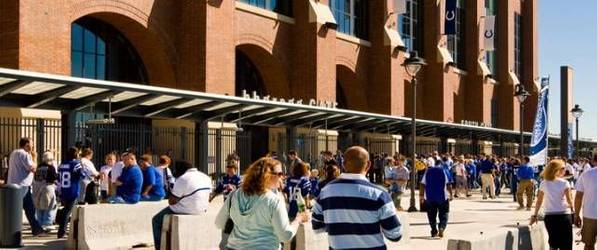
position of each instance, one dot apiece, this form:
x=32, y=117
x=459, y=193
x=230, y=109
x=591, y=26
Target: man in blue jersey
x=358, y=214
x=69, y=177
x=129, y=183
x=434, y=193
x=153, y=186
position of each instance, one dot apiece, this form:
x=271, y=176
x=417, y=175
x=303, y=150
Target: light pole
x=577, y=113
x=521, y=94
x=413, y=65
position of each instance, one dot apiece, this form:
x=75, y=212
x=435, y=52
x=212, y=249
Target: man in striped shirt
x=355, y=213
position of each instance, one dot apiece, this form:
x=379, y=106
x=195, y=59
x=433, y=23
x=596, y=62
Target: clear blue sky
x=567, y=37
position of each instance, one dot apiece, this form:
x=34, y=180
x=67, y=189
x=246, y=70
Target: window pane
x=76, y=37
x=101, y=47
x=76, y=64
x=89, y=66
x=101, y=68
x=89, y=41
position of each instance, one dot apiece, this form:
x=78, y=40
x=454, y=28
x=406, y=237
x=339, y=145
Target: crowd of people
x=353, y=196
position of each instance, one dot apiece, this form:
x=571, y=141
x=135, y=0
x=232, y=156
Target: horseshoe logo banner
x=489, y=34
x=450, y=19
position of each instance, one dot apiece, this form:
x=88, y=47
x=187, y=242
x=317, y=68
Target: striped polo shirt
x=356, y=214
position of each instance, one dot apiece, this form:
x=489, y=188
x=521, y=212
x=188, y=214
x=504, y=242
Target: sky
x=567, y=36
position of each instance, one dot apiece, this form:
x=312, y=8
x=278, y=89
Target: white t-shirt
x=570, y=169
x=188, y=183
x=105, y=181
x=554, y=198
x=587, y=183
x=117, y=171
x=88, y=169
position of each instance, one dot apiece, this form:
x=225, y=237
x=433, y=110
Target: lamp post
x=413, y=65
x=577, y=113
x=521, y=94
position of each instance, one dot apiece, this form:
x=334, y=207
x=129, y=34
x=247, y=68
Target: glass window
x=517, y=44
x=283, y=7
x=494, y=112
x=77, y=63
x=490, y=56
x=352, y=17
x=409, y=26
x=99, y=51
x=456, y=41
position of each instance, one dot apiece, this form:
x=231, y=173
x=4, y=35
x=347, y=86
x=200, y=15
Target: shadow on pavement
x=449, y=223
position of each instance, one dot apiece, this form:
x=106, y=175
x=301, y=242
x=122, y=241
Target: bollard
x=11, y=216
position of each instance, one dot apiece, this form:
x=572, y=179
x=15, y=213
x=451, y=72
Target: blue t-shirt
x=486, y=167
x=302, y=181
x=435, y=180
x=132, y=181
x=228, y=180
x=314, y=185
x=69, y=176
x=525, y=172
x=152, y=177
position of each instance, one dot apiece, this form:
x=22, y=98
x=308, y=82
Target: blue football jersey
x=69, y=177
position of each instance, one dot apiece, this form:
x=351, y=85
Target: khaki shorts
x=589, y=231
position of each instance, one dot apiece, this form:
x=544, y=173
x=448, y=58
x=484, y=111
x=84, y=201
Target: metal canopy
x=45, y=91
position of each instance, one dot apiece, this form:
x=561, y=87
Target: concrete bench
x=307, y=238
x=112, y=226
x=188, y=231
x=520, y=238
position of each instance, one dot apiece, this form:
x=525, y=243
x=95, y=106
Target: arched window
x=248, y=77
x=340, y=96
x=100, y=51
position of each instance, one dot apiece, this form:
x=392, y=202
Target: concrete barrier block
x=521, y=238
x=503, y=239
x=116, y=226
x=532, y=237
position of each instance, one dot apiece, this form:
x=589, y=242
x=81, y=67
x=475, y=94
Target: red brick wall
x=191, y=44
x=9, y=33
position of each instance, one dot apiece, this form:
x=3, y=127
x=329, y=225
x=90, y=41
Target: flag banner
x=539, y=140
x=400, y=6
x=571, y=148
x=489, y=33
x=450, y=22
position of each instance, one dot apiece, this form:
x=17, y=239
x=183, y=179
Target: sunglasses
x=278, y=173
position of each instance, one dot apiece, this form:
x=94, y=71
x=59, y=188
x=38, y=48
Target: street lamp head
x=414, y=64
x=521, y=93
x=577, y=111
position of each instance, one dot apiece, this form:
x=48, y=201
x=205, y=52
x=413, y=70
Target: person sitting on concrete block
x=153, y=187
x=190, y=195
x=129, y=183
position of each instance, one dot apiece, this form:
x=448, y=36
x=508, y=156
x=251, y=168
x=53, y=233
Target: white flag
x=399, y=7
x=489, y=33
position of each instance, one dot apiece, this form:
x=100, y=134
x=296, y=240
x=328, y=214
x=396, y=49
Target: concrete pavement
x=469, y=218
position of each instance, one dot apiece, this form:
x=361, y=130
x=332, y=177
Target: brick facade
x=191, y=44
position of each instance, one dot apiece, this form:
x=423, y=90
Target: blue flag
x=539, y=141
x=450, y=22
x=571, y=148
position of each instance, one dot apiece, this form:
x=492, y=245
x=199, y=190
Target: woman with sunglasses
x=558, y=206
x=259, y=216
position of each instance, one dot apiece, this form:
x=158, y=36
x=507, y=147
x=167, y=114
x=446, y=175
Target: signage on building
x=311, y=102
x=475, y=123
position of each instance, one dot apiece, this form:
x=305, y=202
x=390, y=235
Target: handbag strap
x=192, y=193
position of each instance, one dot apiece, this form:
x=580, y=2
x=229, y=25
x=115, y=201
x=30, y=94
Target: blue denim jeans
x=116, y=200
x=435, y=210
x=152, y=198
x=156, y=224
x=68, y=207
x=44, y=217
x=29, y=208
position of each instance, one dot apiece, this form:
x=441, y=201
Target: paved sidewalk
x=468, y=218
